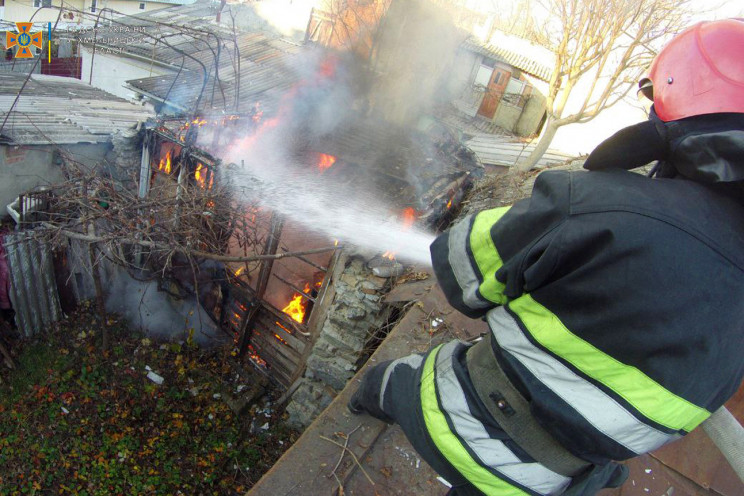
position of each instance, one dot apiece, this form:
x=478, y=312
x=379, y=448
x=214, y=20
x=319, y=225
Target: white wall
x=23, y=168
x=110, y=71
x=22, y=10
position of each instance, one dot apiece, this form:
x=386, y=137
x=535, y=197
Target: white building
x=23, y=10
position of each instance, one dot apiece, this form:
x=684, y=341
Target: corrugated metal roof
x=512, y=51
x=62, y=110
x=163, y=35
x=266, y=73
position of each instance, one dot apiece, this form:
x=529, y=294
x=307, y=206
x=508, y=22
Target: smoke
x=272, y=173
x=337, y=93
x=416, y=51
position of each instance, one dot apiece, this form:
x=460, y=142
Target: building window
x=516, y=93
x=142, y=6
x=483, y=76
x=93, y=5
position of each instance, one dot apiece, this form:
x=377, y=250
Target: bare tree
x=607, y=44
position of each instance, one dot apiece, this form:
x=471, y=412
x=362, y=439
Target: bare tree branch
x=601, y=46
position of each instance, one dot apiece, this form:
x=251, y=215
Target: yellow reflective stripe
x=646, y=395
x=448, y=443
x=486, y=255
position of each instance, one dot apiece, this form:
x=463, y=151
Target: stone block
x=349, y=279
x=355, y=313
x=335, y=373
x=347, y=340
x=310, y=399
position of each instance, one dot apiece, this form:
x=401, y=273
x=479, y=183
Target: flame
x=258, y=112
x=325, y=161
x=389, y=255
x=253, y=356
x=200, y=175
x=199, y=122
x=335, y=242
x=408, y=217
x=238, y=272
x=280, y=325
x=165, y=163
x=449, y=204
x=296, y=307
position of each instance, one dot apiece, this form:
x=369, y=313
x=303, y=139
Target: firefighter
x=615, y=300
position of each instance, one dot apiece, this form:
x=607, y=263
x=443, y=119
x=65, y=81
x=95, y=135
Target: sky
x=582, y=138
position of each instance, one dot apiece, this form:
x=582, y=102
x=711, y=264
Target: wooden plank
x=291, y=356
x=294, y=342
x=269, y=353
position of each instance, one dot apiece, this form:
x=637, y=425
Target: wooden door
x=494, y=92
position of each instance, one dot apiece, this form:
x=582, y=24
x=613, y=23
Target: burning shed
x=275, y=304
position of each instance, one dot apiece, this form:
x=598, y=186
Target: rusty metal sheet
x=650, y=477
x=698, y=459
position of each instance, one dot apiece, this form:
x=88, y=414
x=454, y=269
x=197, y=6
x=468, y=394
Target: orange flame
x=253, y=356
x=165, y=163
x=389, y=255
x=449, y=204
x=296, y=307
x=325, y=161
x=240, y=271
x=200, y=175
x=408, y=217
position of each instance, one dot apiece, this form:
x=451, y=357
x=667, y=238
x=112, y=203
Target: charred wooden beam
x=270, y=248
x=296, y=326
x=309, y=262
x=298, y=290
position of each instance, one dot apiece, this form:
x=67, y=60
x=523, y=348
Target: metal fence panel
x=33, y=289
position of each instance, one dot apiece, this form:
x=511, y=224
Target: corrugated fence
x=33, y=289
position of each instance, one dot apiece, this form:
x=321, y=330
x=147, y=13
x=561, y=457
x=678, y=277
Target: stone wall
x=356, y=313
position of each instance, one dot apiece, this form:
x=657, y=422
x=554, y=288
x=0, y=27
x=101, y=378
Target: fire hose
x=728, y=435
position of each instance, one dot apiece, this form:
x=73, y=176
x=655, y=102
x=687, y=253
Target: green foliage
x=74, y=420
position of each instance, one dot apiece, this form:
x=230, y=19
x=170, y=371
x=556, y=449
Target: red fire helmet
x=701, y=71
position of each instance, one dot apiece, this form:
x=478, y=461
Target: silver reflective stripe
x=414, y=361
x=597, y=407
x=467, y=279
x=491, y=452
